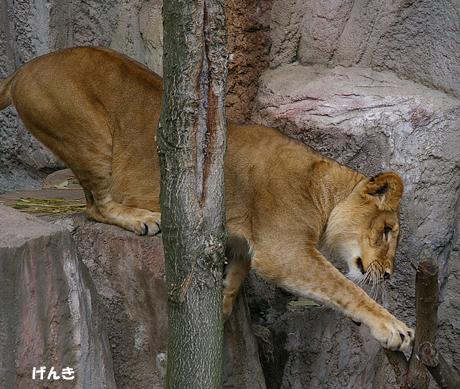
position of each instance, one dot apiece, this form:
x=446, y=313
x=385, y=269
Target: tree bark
x=191, y=144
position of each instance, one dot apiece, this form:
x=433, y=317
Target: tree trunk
x=191, y=144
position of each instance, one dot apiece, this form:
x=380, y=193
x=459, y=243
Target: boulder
x=50, y=314
x=94, y=300
x=128, y=272
x=417, y=40
x=242, y=367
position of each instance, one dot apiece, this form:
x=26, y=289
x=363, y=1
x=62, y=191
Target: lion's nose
x=386, y=276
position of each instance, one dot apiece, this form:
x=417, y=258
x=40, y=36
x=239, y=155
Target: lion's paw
x=393, y=334
x=147, y=223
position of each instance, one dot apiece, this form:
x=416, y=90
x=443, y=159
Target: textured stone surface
x=242, y=368
x=95, y=301
x=128, y=272
x=373, y=122
x=50, y=314
x=313, y=346
x=248, y=46
x=418, y=40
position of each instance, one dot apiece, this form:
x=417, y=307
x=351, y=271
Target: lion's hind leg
x=94, y=170
x=76, y=119
x=139, y=221
x=238, y=266
x=106, y=210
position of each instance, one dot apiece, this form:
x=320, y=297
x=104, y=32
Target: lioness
x=98, y=111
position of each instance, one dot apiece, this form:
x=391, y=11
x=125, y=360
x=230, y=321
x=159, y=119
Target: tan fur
x=98, y=111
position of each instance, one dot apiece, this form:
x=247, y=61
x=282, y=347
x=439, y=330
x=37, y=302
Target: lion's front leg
x=305, y=272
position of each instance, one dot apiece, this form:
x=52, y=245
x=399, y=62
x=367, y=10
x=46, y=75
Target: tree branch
x=412, y=373
x=400, y=365
x=426, y=305
x=438, y=367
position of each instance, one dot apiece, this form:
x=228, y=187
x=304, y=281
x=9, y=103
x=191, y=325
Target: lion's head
x=364, y=228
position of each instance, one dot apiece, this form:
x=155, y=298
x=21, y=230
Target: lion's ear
x=385, y=190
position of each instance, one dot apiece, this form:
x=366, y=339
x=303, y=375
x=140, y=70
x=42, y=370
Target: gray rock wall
x=50, y=314
x=418, y=40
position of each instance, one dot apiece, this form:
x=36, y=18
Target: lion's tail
x=5, y=92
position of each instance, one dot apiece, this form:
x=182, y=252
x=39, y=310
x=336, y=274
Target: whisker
x=385, y=301
x=371, y=281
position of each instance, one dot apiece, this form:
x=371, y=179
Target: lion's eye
x=386, y=230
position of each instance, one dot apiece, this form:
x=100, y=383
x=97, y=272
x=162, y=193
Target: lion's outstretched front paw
x=393, y=334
